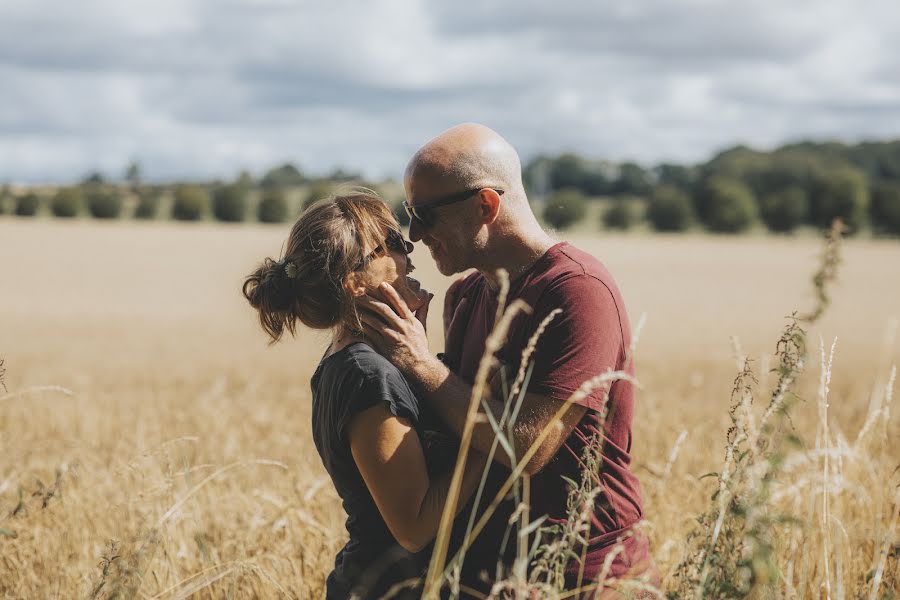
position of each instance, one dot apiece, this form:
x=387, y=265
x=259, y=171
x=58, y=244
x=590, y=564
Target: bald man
x=468, y=206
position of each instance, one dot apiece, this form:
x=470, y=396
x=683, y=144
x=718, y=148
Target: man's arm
x=400, y=337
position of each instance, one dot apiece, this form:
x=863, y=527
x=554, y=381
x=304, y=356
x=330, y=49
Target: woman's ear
x=354, y=285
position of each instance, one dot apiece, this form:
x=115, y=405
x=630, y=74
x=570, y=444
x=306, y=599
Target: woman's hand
x=397, y=333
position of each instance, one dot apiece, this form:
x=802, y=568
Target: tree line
x=801, y=184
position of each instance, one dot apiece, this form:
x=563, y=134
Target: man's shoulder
x=570, y=267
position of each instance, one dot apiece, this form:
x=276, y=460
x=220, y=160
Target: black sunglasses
x=425, y=214
x=394, y=241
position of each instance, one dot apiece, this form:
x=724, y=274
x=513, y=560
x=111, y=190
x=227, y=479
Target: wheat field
x=153, y=446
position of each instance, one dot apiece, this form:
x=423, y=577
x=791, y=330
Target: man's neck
x=516, y=255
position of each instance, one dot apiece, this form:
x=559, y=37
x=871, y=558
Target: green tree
x=6, y=199
x=272, y=206
x=67, y=202
x=622, y=213
x=784, y=210
x=729, y=205
x=102, y=202
x=286, y=175
x=94, y=178
x=190, y=204
x=148, y=204
x=670, y=209
x=27, y=204
x=229, y=203
x=133, y=175
x=886, y=208
x=321, y=188
x=842, y=193
x=675, y=175
x=633, y=179
x=565, y=208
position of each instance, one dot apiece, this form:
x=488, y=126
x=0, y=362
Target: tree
x=67, y=202
x=785, y=210
x=842, y=193
x=103, y=203
x=272, y=206
x=622, y=213
x=94, y=177
x=148, y=204
x=670, y=209
x=321, y=188
x=564, y=208
x=729, y=205
x=191, y=203
x=5, y=199
x=886, y=208
x=133, y=175
x=229, y=203
x=633, y=179
x=675, y=175
x=286, y=175
x=27, y=204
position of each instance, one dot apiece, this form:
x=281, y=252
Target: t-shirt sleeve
x=377, y=384
x=584, y=341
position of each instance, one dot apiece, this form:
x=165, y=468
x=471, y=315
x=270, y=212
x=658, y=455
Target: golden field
x=151, y=440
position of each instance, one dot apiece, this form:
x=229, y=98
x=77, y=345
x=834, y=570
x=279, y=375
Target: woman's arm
x=389, y=456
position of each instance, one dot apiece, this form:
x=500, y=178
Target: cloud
x=202, y=88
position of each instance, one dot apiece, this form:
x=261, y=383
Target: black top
x=346, y=383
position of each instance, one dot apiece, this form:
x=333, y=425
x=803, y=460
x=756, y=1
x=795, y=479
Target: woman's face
x=392, y=264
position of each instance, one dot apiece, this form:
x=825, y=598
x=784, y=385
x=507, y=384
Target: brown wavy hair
x=327, y=243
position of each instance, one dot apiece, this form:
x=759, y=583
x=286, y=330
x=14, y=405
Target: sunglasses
x=394, y=241
x=425, y=213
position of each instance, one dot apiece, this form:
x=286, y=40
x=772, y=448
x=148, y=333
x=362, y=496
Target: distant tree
x=567, y=171
x=670, y=209
x=244, y=181
x=102, y=202
x=728, y=205
x=94, y=178
x=886, y=208
x=321, y=188
x=286, y=175
x=191, y=203
x=5, y=199
x=67, y=202
x=633, y=179
x=622, y=213
x=229, y=203
x=27, y=204
x=675, y=175
x=133, y=175
x=565, y=208
x=842, y=193
x=272, y=206
x=341, y=175
x=148, y=204
x=784, y=210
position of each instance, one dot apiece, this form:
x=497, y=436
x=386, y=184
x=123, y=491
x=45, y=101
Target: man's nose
x=415, y=230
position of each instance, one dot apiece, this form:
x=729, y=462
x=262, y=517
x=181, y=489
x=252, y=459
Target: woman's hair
x=329, y=241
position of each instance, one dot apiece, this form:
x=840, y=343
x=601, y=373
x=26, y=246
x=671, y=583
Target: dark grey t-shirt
x=346, y=383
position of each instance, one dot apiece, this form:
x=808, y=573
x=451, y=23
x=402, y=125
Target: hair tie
x=290, y=269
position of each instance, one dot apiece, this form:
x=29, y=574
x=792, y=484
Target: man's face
x=451, y=237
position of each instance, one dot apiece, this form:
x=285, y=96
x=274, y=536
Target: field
x=151, y=442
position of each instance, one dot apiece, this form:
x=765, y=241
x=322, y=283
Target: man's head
x=465, y=185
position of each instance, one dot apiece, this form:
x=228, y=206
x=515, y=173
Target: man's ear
x=354, y=285
x=489, y=205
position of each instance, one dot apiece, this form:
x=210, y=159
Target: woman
x=368, y=426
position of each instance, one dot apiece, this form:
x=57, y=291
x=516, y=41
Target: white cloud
x=202, y=88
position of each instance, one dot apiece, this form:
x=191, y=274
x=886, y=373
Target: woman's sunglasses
x=394, y=241
x=425, y=213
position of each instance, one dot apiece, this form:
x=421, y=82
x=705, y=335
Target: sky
x=199, y=89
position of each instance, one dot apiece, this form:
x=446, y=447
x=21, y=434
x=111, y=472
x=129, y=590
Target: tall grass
x=191, y=474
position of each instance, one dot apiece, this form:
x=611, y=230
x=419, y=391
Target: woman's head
x=340, y=248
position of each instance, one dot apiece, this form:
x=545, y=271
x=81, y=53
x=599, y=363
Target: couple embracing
x=387, y=414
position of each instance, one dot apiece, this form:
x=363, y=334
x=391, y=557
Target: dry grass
x=164, y=448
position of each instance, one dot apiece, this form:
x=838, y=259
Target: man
x=468, y=205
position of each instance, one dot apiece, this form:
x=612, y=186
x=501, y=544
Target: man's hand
x=397, y=333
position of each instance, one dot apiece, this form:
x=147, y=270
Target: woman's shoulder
x=366, y=378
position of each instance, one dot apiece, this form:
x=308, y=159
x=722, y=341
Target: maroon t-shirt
x=590, y=336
